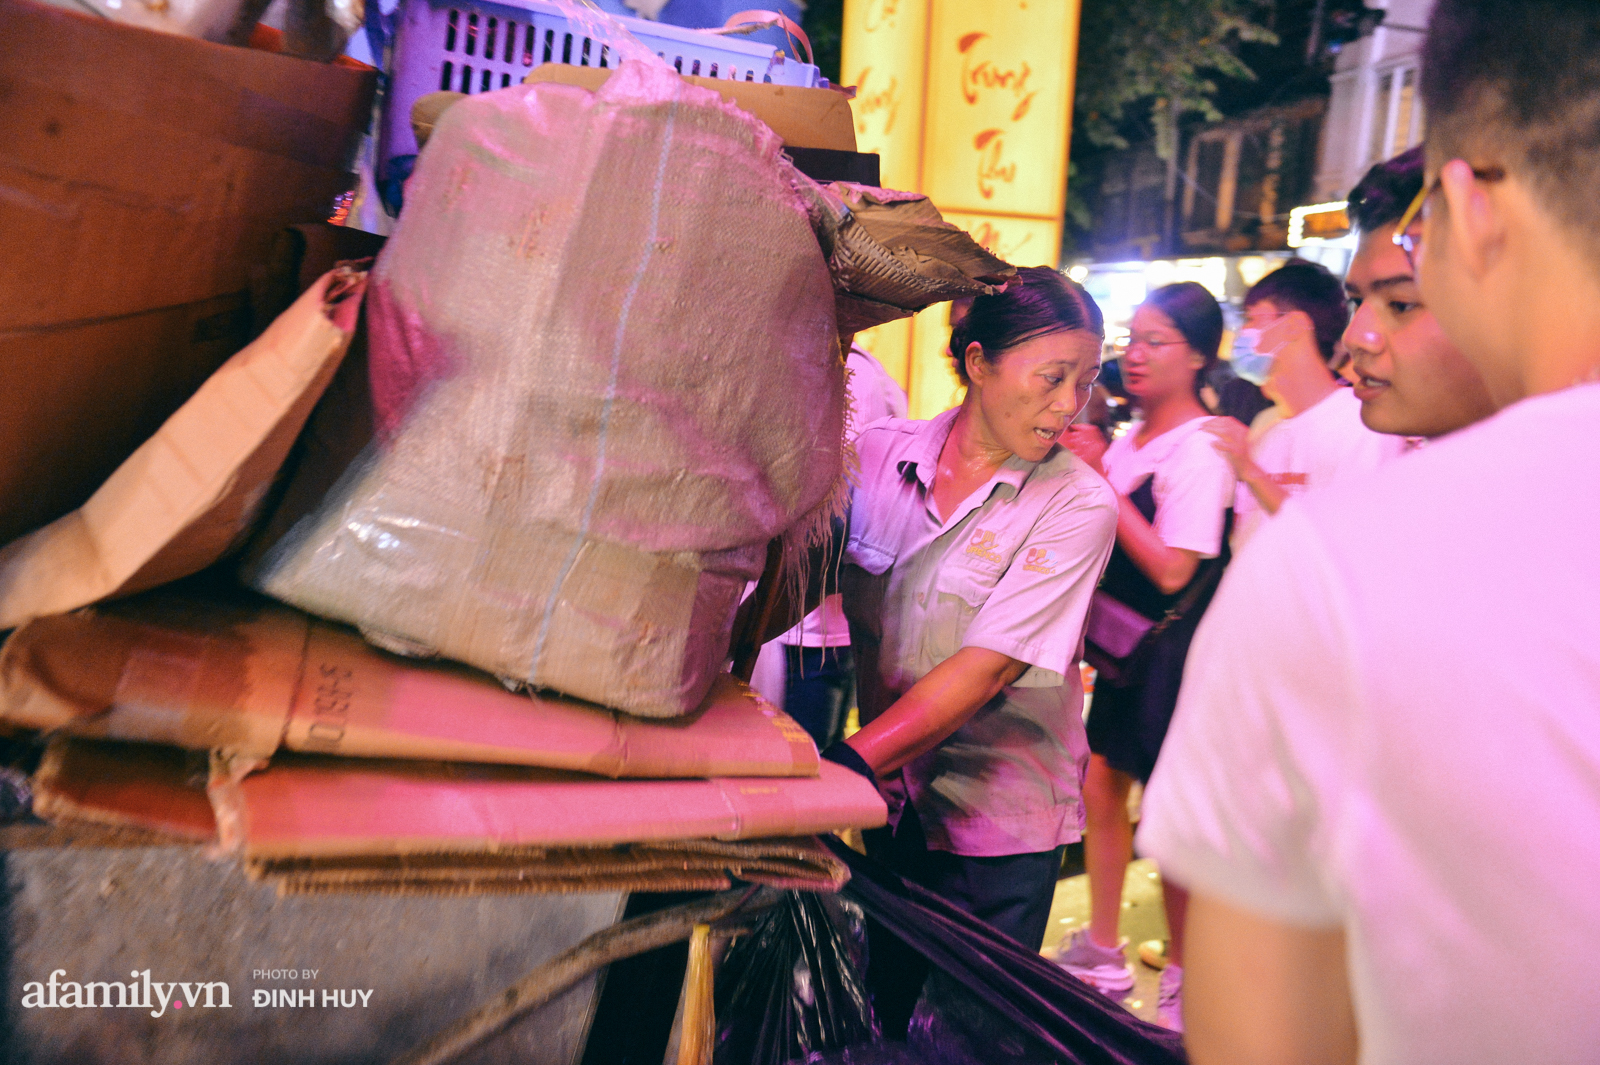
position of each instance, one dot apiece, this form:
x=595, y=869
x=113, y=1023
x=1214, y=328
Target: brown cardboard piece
x=305, y=806
x=152, y=794
x=248, y=678
x=124, y=786
x=142, y=175
x=188, y=493
x=800, y=863
x=802, y=118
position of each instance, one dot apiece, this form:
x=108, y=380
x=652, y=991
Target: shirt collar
x=922, y=457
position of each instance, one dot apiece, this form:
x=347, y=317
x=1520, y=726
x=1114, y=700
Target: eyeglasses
x=1411, y=244
x=1123, y=344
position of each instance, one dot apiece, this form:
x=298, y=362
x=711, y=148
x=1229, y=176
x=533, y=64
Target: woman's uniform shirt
x=1012, y=570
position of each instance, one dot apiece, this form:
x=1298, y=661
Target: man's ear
x=977, y=366
x=1476, y=223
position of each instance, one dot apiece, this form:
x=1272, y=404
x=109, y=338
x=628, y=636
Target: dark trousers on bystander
x=818, y=688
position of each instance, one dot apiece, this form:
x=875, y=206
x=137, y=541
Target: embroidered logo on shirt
x=1040, y=560
x=982, y=545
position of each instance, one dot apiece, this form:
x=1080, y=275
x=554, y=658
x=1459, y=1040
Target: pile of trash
x=506, y=485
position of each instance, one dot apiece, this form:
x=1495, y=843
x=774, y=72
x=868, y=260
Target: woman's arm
x=1168, y=568
x=934, y=707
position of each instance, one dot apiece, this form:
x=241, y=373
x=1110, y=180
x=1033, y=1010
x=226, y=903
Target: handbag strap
x=1198, y=588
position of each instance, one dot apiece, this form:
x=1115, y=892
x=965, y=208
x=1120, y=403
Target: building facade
x=1375, y=106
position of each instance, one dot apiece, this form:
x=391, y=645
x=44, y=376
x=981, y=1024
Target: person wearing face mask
x=1293, y=318
x=1411, y=380
x=1174, y=495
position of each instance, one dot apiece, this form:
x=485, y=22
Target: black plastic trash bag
x=868, y=1054
x=952, y=1027
x=1067, y=1021
x=793, y=987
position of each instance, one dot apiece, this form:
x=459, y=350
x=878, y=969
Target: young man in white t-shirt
x=1382, y=784
x=1294, y=317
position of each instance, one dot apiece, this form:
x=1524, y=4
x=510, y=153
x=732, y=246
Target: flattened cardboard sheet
x=802, y=118
x=249, y=677
x=152, y=795
x=309, y=807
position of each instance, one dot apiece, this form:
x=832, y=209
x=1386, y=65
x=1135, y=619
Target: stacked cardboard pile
x=326, y=764
x=604, y=373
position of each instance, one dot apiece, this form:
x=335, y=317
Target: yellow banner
x=1019, y=241
x=971, y=104
x=885, y=56
x=999, y=105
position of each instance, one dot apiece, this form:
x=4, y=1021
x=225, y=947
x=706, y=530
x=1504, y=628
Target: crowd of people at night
x=1342, y=633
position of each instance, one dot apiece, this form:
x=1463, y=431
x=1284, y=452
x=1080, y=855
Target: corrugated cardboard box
x=142, y=175
x=189, y=493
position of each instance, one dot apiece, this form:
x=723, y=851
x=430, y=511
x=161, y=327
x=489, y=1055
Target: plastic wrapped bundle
x=604, y=374
x=793, y=987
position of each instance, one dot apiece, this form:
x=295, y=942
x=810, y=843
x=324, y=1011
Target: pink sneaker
x=1103, y=968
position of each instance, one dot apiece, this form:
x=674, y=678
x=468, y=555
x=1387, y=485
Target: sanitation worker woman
x=975, y=542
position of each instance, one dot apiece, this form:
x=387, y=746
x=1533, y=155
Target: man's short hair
x=1382, y=196
x=1516, y=83
x=1302, y=285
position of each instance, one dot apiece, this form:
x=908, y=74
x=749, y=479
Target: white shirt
x=1320, y=446
x=1193, y=486
x=1391, y=723
x=1012, y=570
x=874, y=395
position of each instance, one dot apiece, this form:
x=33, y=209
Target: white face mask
x=1246, y=358
x=1249, y=359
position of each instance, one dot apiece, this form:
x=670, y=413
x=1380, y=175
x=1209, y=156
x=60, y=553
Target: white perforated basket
x=473, y=47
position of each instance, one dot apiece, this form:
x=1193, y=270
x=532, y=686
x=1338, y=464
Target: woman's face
x=1159, y=362
x=1028, y=398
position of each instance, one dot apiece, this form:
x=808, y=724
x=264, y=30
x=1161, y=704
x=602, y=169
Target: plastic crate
x=474, y=47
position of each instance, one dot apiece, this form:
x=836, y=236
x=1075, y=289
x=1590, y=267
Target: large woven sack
x=604, y=374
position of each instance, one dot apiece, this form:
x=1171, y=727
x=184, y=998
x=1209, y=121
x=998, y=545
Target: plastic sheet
x=793, y=987
x=951, y=1026
x=1049, y=1012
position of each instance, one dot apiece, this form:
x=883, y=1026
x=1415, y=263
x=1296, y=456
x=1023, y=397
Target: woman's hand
x=1089, y=444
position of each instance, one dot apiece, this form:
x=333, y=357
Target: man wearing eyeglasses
x=1382, y=783
x=1412, y=381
